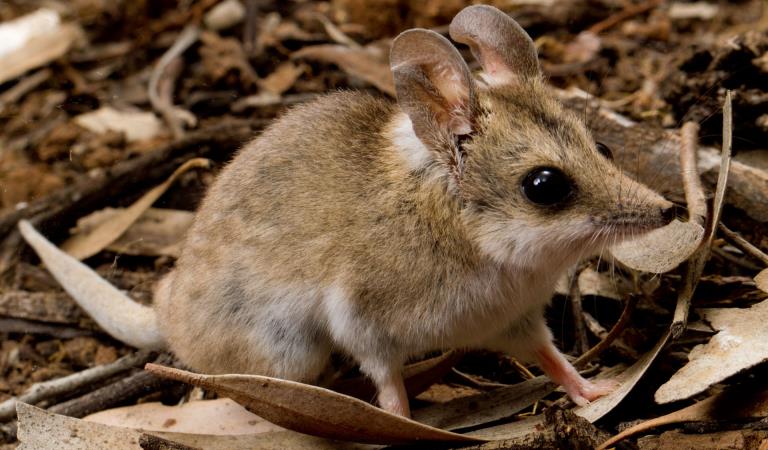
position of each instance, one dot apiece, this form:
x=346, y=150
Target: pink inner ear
x=496, y=72
x=450, y=84
x=454, y=91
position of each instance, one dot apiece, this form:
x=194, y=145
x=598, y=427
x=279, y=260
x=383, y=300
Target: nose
x=669, y=213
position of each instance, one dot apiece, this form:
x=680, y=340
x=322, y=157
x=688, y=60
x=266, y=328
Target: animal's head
x=534, y=183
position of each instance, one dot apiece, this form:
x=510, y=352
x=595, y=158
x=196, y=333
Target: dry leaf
x=486, y=407
x=137, y=126
x=282, y=78
x=662, y=249
x=513, y=430
x=364, y=63
x=313, y=410
x=222, y=56
x=335, y=33
x=32, y=41
x=41, y=430
x=221, y=416
x=761, y=280
x=84, y=245
x=157, y=232
x=741, y=342
x=626, y=381
x=733, y=404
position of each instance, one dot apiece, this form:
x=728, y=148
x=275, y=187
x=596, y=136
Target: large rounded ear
x=433, y=85
x=500, y=45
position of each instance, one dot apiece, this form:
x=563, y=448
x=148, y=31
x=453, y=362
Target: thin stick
x=20, y=325
x=160, y=95
x=621, y=16
x=45, y=390
x=741, y=262
x=694, y=193
x=617, y=329
x=695, y=265
x=21, y=88
x=131, y=387
x=742, y=244
x=599, y=330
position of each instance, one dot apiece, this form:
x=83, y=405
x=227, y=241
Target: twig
x=741, y=262
x=616, y=330
x=695, y=265
x=477, y=383
x=599, y=330
x=522, y=369
x=621, y=16
x=47, y=389
x=131, y=387
x=21, y=88
x=742, y=244
x=335, y=34
x=166, y=71
x=16, y=325
x=694, y=193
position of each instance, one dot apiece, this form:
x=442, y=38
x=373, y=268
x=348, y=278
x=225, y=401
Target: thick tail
x=116, y=313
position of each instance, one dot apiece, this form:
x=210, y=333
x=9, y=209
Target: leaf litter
x=88, y=243
x=314, y=410
x=292, y=56
x=741, y=342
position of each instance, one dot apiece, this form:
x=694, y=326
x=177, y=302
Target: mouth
x=622, y=227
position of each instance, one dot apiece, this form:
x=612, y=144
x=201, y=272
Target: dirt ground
x=657, y=63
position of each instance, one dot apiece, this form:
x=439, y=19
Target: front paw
x=583, y=391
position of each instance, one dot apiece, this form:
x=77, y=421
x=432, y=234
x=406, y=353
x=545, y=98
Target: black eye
x=547, y=186
x=604, y=150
